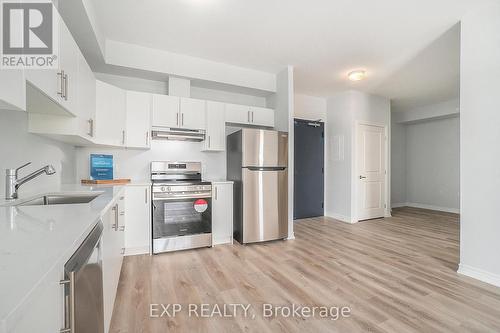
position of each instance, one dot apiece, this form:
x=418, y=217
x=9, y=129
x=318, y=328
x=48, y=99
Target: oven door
x=175, y=216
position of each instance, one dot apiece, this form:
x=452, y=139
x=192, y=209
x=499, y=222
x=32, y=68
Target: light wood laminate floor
x=396, y=274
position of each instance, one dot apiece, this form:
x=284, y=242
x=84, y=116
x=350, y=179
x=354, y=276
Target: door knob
x=362, y=177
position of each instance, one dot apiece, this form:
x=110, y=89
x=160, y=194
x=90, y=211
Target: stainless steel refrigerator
x=257, y=162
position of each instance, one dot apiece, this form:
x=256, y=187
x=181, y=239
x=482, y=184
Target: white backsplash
x=134, y=163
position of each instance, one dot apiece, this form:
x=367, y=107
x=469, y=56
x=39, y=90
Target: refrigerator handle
x=254, y=168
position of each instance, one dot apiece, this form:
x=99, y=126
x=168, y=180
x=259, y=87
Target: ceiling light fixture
x=357, y=75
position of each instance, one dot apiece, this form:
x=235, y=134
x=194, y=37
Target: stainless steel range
x=181, y=205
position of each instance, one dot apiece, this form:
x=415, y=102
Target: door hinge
x=322, y=205
x=323, y=170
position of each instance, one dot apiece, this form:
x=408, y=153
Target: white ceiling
x=323, y=39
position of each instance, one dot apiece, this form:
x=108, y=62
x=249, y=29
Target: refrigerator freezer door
x=264, y=148
x=265, y=208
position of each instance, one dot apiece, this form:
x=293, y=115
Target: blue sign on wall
x=101, y=167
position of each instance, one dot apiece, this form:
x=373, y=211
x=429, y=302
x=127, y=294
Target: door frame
x=355, y=173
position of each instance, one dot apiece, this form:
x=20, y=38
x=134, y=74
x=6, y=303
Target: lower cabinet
x=113, y=241
x=137, y=219
x=222, y=212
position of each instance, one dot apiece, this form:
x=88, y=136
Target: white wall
x=134, y=164
x=432, y=164
x=425, y=157
x=310, y=107
x=343, y=111
x=480, y=137
x=19, y=147
x=398, y=164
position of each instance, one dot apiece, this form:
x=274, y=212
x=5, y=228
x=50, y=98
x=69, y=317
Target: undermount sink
x=60, y=199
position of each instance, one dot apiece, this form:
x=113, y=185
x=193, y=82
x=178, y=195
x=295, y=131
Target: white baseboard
x=133, y=251
x=424, y=206
x=479, y=274
x=341, y=218
x=291, y=237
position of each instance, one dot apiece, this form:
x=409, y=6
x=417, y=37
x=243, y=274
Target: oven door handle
x=185, y=196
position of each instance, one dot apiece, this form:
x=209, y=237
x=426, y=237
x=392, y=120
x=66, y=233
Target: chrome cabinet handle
x=362, y=177
x=177, y=119
x=66, y=86
x=147, y=138
x=122, y=251
x=248, y=116
x=182, y=119
x=115, y=209
x=69, y=304
x=252, y=116
x=61, y=86
x=215, y=192
x=146, y=196
x=123, y=137
x=91, y=127
x=209, y=145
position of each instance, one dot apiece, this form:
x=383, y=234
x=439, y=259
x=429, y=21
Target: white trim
x=291, y=237
x=354, y=168
x=341, y=218
x=132, y=251
x=479, y=274
x=424, y=206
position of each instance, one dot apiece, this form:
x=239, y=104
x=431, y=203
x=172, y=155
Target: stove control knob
x=162, y=189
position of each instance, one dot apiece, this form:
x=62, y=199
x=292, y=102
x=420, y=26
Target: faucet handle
x=22, y=166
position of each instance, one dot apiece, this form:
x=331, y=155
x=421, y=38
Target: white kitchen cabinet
x=215, y=123
x=68, y=63
x=222, y=212
x=86, y=94
x=113, y=241
x=12, y=90
x=45, y=311
x=237, y=114
x=54, y=91
x=110, y=114
x=166, y=111
x=192, y=113
x=262, y=116
x=137, y=219
x=249, y=115
x=138, y=119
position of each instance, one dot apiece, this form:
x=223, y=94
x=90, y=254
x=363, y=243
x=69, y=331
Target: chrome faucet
x=12, y=183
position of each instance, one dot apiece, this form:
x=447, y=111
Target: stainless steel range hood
x=177, y=134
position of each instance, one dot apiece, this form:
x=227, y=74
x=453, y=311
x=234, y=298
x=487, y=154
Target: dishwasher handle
x=69, y=303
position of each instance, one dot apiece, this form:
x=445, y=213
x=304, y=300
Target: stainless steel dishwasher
x=83, y=299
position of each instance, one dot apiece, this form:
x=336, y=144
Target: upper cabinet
x=192, y=113
x=12, y=90
x=178, y=112
x=215, y=123
x=166, y=111
x=138, y=118
x=110, y=115
x=249, y=115
x=58, y=84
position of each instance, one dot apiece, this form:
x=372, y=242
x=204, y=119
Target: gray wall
x=425, y=164
x=18, y=147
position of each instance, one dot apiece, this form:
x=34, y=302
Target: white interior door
x=371, y=165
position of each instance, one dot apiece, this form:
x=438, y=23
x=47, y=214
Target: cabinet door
x=166, y=111
x=86, y=98
x=112, y=248
x=110, y=114
x=13, y=90
x=237, y=114
x=192, y=113
x=68, y=63
x=138, y=119
x=48, y=81
x=222, y=213
x=137, y=219
x=262, y=116
x=215, y=139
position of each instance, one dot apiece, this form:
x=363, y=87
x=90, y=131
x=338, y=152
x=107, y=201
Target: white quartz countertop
x=34, y=239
